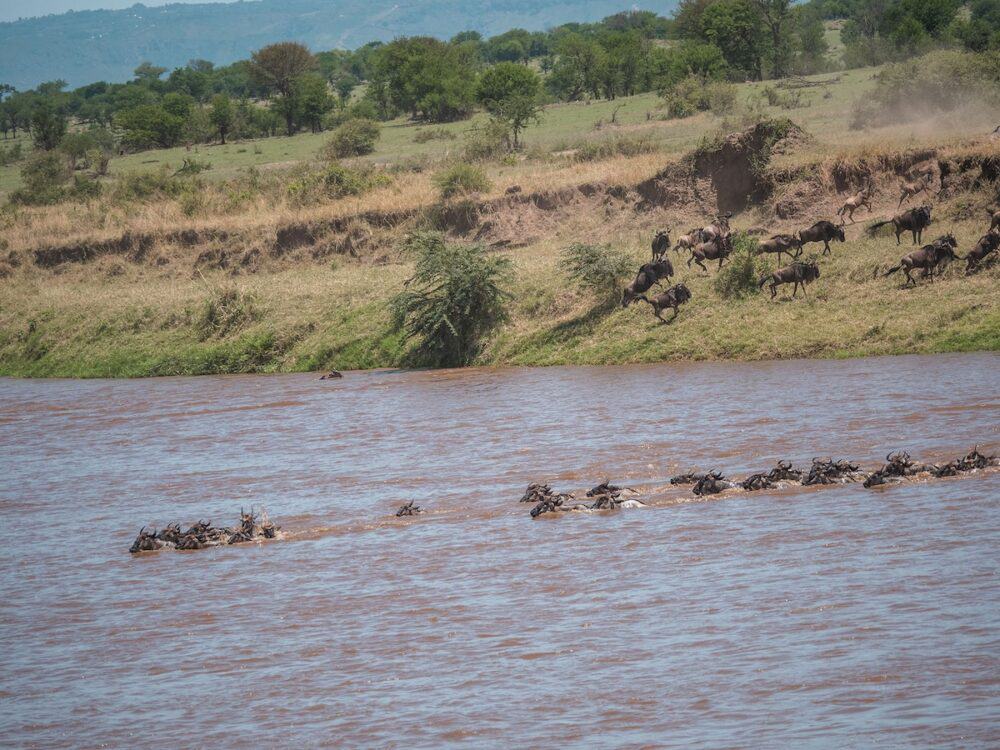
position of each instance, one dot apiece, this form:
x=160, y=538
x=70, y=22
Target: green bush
x=11, y=155
x=609, y=149
x=434, y=134
x=85, y=188
x=597, y=268
x=355, y=137
x=44, y=174
x=455, y=299
x=334, y=181
x=693, y=94
x=226, y=310
x=461, y=179
x=137, y=186
x=739, y=276
x=488, y=142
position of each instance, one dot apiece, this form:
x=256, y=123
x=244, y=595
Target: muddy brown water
x=810, y=617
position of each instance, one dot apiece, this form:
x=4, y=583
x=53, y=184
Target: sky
x=11, y=10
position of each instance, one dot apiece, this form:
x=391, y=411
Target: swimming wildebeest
x=661, y=243
x=822, y=231
x=674, y=297
x=916, y=220
x=649, y=274
x=171, y=533
x=145, y=542
x=535, y=492
x=712, y=483
x=757, y=482
x=784, y=471
x=409, y=510
x=987, y=244
x=781, y=243
x=909, y=189
x=718, y=249
x=856, y=201
x=690, y=478
x=927, y=258
x=830, y=472
x=797, y=273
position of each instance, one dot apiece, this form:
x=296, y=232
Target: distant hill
x=87, y=46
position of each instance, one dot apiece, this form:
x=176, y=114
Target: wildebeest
x=332, y=375
x=649, y=274
x=916, y=220
x=718, y=249
x=410, y=509
x=690, y=478
x=781, y=243
x=987, y=244
x=822, y=231
x=535, y=492
x=689, y=240
x=661, y=243
x=757, y=482
x=145, y=542
x=190, y=541
x=718, y=228
x=712, y=483
x=170, y=533
x=674, y=297
x=909, y=189
x=799, y=273
x=784, y=471
x=927, y=258
x=856, y=201
x=830, y=472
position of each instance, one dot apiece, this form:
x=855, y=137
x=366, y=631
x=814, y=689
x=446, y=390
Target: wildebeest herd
x=714, y=242
x=898, y=467
x=251, y=528
x=605, y=496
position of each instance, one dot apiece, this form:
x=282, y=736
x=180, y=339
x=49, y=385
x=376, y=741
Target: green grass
x=82, y=324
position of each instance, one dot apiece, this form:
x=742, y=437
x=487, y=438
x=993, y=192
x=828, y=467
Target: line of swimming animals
x=898, y=467
x=202, y=534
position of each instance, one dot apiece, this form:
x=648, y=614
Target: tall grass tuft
x=455, y=299
x=227, y=309
x=462, y=179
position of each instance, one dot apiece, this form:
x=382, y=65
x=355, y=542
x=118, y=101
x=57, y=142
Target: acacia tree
x=276, y=67
x=509, y=92
x=776, y=15
x=221, y=115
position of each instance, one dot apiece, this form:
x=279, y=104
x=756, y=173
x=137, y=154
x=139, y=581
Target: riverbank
x=315, y=291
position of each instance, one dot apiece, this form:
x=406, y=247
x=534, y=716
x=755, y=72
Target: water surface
x=811, y=617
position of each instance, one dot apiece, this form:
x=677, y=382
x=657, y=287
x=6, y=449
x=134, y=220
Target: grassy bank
x=236, y=297
x=110, y=319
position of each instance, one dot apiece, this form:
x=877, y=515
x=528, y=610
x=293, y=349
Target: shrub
x=693, y=94
x=192, y=166
x=488, y=142
x=334, y=181
x=11, y=155
x=455, y=299
x=45, y=174
x=597, y=268
x=227, y=309
x=133, y=186
x=608, y=149
x=739, y=277
x=85, y=188
x=461, y=179
x=355, y=137
x=433, y=134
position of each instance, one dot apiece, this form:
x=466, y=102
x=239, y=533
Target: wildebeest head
x=839, y=235
x=710, y=484
x=171, y=533
x=784, y=470
x=681, y=292
x=535, y=492
x=146, y=541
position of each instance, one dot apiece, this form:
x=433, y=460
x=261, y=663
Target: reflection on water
x=818, y=617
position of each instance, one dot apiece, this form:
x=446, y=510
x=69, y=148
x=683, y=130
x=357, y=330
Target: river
x=810, y=617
